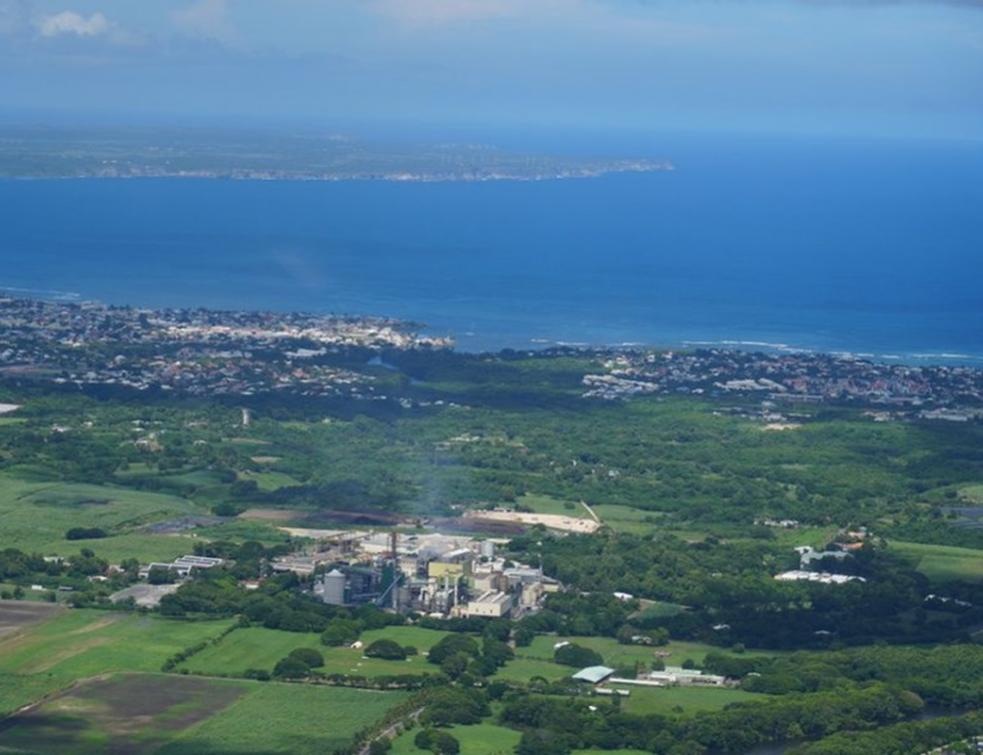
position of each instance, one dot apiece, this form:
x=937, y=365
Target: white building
x=490, y=604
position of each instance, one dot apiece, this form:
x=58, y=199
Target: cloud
x=70, y=22
x=206, y=19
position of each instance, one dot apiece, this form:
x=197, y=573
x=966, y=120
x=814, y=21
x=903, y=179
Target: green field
x=686, y=700
x=479, y=739
x=298, y=719
x=260, y=648
x=77, y=644
x=544, y=504
x=131, y=713
x=628, y=519
x=269, y=481
x=972, y=494
x=615, y=654
x=36, y=515
x=943, y=563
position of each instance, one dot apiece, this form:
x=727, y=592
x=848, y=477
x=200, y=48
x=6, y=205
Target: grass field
x=136, y=713
x=681, y=700
x=269, y=481
x=943, y=563
x=628, y=519
x=259, y=648
x=544, y=504
x=36, y=515
x=77, y=644
x=972, y=493
x=479, y=739
x=615, y=654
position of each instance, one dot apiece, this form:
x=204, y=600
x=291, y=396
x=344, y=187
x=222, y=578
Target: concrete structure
x=681, y=677
x=184, y=566
x=825, y=578
x=490, y=604
x=144, y=595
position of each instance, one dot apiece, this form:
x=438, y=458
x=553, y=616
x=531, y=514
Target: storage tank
x=333, y=588
x=487, y=549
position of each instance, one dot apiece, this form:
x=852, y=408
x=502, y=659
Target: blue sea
x=828, y=244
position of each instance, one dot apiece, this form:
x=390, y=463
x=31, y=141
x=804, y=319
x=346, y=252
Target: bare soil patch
x=127, y=713
x=15, y=614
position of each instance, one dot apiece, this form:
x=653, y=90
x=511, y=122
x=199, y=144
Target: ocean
x=828, y=244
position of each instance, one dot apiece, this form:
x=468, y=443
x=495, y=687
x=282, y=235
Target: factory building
x=490, y=604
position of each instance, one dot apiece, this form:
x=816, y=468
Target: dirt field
x=125, y=714
x=552, y=521
x=15, y=614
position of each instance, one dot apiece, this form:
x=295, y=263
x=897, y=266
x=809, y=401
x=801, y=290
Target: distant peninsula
x=254, y=155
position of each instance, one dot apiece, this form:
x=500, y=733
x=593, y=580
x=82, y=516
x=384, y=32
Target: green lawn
x=523, y=669
x=260, y=648
x=943, y=563
x=269, y=481
x=628, y=519
x=544, y=504
x=299, y=719
x=479, y=739
x=685, y=700
x=36, y=515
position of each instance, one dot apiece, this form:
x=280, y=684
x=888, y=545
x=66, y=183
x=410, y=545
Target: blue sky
x=861, y=67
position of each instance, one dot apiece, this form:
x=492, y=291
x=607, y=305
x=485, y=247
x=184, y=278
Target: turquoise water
x=870, y=248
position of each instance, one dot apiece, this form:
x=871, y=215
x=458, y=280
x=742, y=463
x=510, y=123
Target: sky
x=857, y=67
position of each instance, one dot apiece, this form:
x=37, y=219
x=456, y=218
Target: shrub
x=85, y=533
x=308, y=656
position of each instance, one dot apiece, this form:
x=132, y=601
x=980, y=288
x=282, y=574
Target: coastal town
x=201, y=352
x=940, y=392
x=193, y=351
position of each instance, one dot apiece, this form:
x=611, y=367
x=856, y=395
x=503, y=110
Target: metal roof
x=593, y=674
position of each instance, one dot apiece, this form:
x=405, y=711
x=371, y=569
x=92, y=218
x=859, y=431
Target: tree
x=340, y=632
x=452, y=644
x=291, y=668
x=160, y=575
x=386, y=649
x=577, y=656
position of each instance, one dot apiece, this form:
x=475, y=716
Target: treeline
x=730, y=586
x=946, y=675
x=910, y=738
x=557, y=726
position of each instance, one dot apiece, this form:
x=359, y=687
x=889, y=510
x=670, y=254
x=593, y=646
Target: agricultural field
x=36, y=515
x=79, y=643
x=943, y=563
x=479, y=739
x=260, y=648
x=133, y=713
x=294, y=719
x=681, y=700
x=16, y=615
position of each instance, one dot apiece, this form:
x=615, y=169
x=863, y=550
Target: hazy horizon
x=848, y=68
